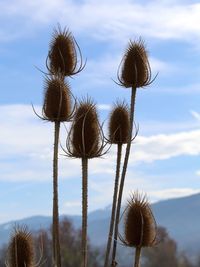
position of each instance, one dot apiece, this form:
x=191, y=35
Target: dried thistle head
x=119, y=124
x=20, y=250
x=140, y=225
x=135, y=70
x=85, y=139
x=57, y=100
x=63, y=54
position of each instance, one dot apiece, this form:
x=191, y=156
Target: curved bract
x=57, y=100
x=140, y=225
x=64, y=53
x=85, y=139
x=134, y=69
x=119, y=124
x=20, y=252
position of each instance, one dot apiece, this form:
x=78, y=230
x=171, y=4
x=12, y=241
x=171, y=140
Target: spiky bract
x=85, y=139
x=63, y=55
x=140, y=225
x=135, y=70
x=57, y=100
x=119, y=124
x=20, y=251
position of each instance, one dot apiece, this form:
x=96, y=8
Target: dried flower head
x=135, y=68
x=85, y=139
x=57, y=100
x=140, y=225
x=119, y=124
x=63, y=54
x=20, y=251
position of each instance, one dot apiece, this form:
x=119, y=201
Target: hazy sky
x=165, y=160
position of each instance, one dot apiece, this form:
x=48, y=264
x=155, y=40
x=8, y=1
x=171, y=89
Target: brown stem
x=121, y=187
x=55, y=231
x=114, y=204
x=137, y=257
x=84, y=210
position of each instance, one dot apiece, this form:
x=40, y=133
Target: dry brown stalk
x=55, y=226
x=85, y=141
x=118, y=134
x=135, y=73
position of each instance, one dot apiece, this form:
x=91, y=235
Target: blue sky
x=164, y=161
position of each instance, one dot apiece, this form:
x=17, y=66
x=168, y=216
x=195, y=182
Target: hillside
x=181, y=217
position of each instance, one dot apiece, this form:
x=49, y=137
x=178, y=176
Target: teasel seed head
x=119, y=124
x=57, y=100
x=134, y=69
x=140, y=225
x=85, y=139
x=20, y=250
x=63, y=54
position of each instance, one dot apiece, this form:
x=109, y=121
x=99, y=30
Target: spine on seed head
x=20, y=251
x=85, y=139
x=135, y=70
x=140, y=225
x=119, y=124
x=63, y=54
x=57, y=100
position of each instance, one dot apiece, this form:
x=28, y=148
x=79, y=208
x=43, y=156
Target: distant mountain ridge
x=181, y=217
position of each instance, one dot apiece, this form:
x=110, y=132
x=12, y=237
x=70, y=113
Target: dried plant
x=20, y=250
x=56, y=108
x=63, y=54
x=134, y=72
x=119, y=125
x=85, y=141
x=62, y=61
x=139, y=227
x=57, y=100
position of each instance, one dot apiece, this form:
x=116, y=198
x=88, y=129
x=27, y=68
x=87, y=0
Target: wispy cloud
x=171, y=193
x=166, y=146
x=26, y=156
x=107, y=21
x=26, y=140
x=195, y=114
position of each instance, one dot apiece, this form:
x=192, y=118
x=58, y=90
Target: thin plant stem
x=84, y=210
x=137, y=257
x=121, y=187
x=114, y=204
x=55, y=231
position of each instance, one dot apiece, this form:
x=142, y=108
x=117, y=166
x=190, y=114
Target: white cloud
x=107, y=20
x=25, y=138
x=26, y=145
x=195, y=114
x=198, y=173
x=104, y=107
x=166, y=146
x=171, y=193
x=72, y=207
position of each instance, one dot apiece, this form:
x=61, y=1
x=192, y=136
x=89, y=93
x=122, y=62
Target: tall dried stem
x=55, y=230
x=121, y=187
x=137, y=257
x=84, y=210
x=114, y=204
